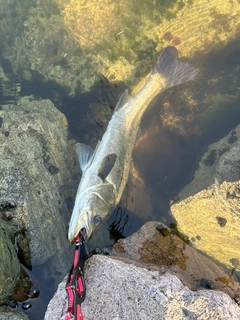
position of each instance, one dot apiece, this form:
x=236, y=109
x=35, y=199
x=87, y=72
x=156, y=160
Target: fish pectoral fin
x=122, y=100
x=106, y=166
x=85, y=154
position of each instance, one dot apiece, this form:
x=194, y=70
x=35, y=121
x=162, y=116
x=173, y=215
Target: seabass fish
x=105, y=170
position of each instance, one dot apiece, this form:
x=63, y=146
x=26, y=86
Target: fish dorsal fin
x=122, y=100
x=106, y=166
x=85, y=154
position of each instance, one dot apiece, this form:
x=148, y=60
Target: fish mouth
x=77, y=224
x=72, y=235
x=86, y=232
x=83, y=232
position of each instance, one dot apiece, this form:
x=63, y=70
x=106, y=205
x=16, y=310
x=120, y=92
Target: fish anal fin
x=106, y=166
x=122, y=100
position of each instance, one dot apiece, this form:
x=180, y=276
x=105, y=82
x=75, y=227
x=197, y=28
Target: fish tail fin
x=173, y=70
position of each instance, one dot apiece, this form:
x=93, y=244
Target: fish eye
x=97, y=220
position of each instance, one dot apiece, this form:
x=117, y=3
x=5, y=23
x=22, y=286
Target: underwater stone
x=8, y=215
x=32, y=294
x=176, y=41
x=12, y=204
x=53, y=170
x=26, y=305
x=106, y=251
x=232, y=139
x=163, y=230
x=211, y=158
x=167, y=36
x=223, y=150
x=235, y=262
x=208, y=284
x=221, y=221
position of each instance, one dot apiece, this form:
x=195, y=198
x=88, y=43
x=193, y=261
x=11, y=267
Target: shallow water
x=167, y=156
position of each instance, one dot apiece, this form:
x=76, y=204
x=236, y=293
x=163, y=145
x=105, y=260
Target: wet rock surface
x=119, y=290
x=208, y=207
x=7, y=314
x=37, y=158
x=167, y=250
x=151, y=276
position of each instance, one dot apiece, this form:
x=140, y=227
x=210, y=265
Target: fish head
x=81, y=219
x=88, y=214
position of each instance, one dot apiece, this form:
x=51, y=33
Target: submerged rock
x=209, y=205
x=85, y=39
x=212, y=214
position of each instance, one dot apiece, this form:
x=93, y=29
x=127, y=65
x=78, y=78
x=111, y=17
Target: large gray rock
x=118, y=290
x=37, y=158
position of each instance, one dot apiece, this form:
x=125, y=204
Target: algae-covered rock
x=120, y=40
x=7, y=314
x=9, y=267
x=120, y=43
x=164, y=249
x=208, y=210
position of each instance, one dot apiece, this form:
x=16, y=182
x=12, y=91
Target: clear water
x=169, y=159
